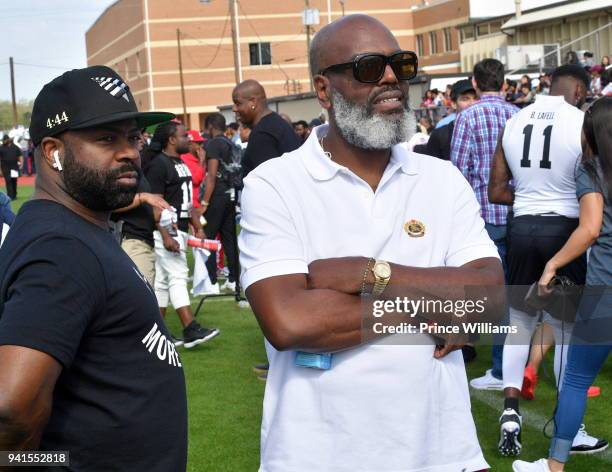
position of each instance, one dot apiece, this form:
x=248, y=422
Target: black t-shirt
x=170, y=177
x=271, y=137
x=9, y=156
x=67, y=289
x=220, y=149
x=439, y=143
x=138, y=222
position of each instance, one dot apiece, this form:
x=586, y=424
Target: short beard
x=362, y=128
x=182, y=150
x=95, y=189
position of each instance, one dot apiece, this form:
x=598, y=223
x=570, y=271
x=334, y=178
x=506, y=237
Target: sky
x=45, y=38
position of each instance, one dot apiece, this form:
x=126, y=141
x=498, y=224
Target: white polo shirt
x=381, y=408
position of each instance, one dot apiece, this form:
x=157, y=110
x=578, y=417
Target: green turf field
x=225, y=398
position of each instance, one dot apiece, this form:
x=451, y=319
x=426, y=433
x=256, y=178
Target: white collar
x=322, y=167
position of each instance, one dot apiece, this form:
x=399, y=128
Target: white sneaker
x=487, y=382
x=540, y=465
x=231, y=286
x=583, y=443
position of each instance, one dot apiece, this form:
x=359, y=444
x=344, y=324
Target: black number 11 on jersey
x=545, y=162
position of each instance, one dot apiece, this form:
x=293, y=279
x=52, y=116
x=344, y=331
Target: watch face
x=382, y=270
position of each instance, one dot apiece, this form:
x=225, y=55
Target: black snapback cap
x=82, y=98
x=461, y=86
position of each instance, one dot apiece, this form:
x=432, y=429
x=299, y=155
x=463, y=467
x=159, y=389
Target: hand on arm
x=28, y=379
x=154, y=200
x=294, y=317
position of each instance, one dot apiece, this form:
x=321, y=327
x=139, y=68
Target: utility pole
x=308, y=31
x=236, y=41
x=13, y=92
x=180, y=64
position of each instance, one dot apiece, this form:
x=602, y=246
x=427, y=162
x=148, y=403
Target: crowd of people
x=336, y=214
x=522, y=92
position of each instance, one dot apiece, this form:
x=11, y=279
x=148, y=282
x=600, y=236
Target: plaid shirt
x=473, y=145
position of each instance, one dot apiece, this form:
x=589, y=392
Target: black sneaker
x=176, y=341
x=195, y=334
x=510, y=433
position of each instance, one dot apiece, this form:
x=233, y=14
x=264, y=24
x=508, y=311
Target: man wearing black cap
x=462, y=96
x=88, y=366
x=11, y=160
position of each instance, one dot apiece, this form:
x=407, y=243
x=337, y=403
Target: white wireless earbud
x=58, y=164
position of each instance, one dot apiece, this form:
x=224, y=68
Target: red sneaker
x=530, y=380
x=593, y=391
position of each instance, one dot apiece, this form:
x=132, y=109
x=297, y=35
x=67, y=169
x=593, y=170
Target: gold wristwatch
x=382, y=275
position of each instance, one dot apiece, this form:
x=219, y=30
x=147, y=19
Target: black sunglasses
x=370, y=68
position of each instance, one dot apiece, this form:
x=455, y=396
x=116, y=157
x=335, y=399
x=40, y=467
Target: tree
x=24, y=113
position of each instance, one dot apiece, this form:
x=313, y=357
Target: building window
x=448, y=43
x=260, y=54
x=419, y=45
x=483, y=29
x=468, y=32
x=433, y=42
x=495, y=27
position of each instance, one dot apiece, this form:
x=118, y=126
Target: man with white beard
x=348, y=219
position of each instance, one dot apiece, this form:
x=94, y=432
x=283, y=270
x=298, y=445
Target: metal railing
x=558, y=50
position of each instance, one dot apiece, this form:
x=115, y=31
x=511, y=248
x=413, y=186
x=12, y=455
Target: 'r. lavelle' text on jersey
x=542, y=145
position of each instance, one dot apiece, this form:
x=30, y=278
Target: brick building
x=138, y=38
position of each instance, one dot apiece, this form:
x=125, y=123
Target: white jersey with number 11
x=542, y=147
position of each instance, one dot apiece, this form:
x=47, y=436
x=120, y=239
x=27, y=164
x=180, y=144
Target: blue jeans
x=497, y=233
x=583, y=364
x=586, y=355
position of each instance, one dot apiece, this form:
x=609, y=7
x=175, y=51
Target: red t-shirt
x=197, y=175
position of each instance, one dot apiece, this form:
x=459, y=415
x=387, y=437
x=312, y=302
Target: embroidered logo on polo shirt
x=414, y=229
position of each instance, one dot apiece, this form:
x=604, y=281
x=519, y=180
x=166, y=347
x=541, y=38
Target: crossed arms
x=322, y=310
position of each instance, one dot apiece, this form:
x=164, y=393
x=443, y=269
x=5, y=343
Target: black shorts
x=532, y=241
